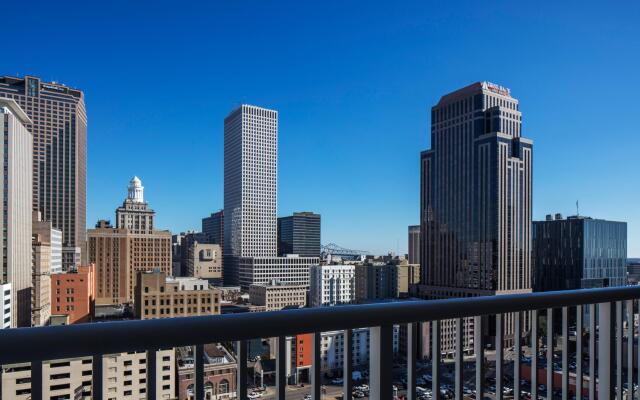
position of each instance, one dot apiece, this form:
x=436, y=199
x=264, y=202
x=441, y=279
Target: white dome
x=136, y=190
x=135, y=182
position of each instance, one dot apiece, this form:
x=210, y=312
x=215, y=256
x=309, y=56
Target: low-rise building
x=331, y=285
x=71, y=257
x=276, y=297
x=41, y=281
x=290, y=270
x=74, y=294
x=50, y=236
x=376, y=281
x=159, y=296
x=220, y=371
x=204, y=261
x=124, y=377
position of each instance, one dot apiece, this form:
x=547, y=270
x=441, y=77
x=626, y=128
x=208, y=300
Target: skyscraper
x=476, y=197
x=213, y=227
x=299, y=234
x=414, y=244
x=578, y=253
x=15, y=219
x=58, y=123
x=250, y=202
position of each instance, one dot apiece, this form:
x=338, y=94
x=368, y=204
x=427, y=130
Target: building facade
x=220, y=371
x=250, y=186
x=579, y=253
x=213, y=228
x=407, y=276
x=475, y=206
x=159, y=296
x=41, y=281
x=16, y=216
x=277, y=297
x=376, y=281
x=187, y=240
x=5, y=307
x=71, y=258
x=330, y=285
x=133, y=246
x=299, y=234
x=58, y=123
x=414, y=244
x=53, y=237
x=204, y=261
x=290, y=270
x=74, y=294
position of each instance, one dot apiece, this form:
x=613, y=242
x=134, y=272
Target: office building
x=5, y=307
x=331, y=284
x=578, y=253
x=213, y=228
x=176, y=254
x=276, y=297
x=407, y=276
x=74, y=294
x=159, y=296
x=299, y=234
x=41, y=281
x=124, y=376
x=376, y=281
x=204, y=261
x=187, y=240
x=250, y=186
x=15, y=219
x=290, y=270
x=250, y=202
x=70, y=258
x=53, y=237
x=414, y=244
x=633, y=271
x=58, y=122
x=475, y=200
x=133, y=246
x=220, y=369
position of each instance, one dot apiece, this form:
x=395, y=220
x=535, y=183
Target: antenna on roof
x=577, y=208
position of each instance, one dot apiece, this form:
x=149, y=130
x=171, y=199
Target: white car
x=254, y=395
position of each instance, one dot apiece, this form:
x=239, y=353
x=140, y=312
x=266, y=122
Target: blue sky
x=353, y=82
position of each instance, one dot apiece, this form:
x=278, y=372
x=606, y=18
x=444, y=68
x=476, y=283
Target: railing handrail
x=57, y=342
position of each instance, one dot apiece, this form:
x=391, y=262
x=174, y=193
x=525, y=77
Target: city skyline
x=365, y=137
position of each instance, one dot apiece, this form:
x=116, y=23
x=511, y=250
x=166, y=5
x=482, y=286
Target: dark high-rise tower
x=414, y=244
x=59, y=128
x=299, y=234
x=476, y=197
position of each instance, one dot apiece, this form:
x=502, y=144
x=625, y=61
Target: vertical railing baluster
x=606, y=348
x=412, y=352
x=151, y=374
x=565, y=352
x=96, y=377
x=579, y=377
x=619, y=337
x=459, y=378
x=381, y=358
x=549, y=353
x=281, y=367
x=517, y=348
x=316, y=367
x=629, y=349
x=534, y=355
x=592, y=351
x=36, y=380
x=241, y=374
x=198, y=361
x=347, y=366
x=478, y=344
x=435, y=359
x=499, y=355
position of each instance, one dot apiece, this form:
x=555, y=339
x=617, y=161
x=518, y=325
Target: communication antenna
x=577, y=208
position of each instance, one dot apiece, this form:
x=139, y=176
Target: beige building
x=132, y=246
x=205, y=261
x=41, y=280
x=124, y=377
x=408, y=274
x=159, y=296
x=15, y=218
x=277, y=297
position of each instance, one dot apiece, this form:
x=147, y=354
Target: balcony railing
x=612, y=306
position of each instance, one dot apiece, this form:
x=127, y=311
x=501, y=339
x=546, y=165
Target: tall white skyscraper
x=251, y=202
x=15, y=219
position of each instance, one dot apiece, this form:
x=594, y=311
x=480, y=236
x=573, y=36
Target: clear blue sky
x=354, y=82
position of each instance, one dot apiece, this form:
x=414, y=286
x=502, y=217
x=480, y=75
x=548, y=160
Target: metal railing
x=36, y=345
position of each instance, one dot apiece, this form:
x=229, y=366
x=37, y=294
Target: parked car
x=337, y=381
